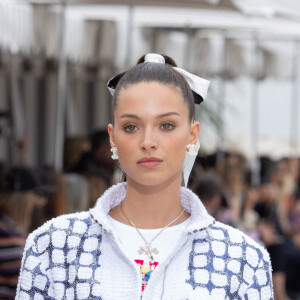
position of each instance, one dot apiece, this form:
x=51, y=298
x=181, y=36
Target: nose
x=148, y=140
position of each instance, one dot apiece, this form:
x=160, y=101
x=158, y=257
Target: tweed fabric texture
x=79, y=256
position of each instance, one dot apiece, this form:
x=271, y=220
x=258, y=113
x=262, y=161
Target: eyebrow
x=158, y=117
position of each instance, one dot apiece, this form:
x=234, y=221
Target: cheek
x=125, y=146
x=177, y=146
x=126, y=149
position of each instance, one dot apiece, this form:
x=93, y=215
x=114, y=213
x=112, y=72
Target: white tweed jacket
x=78, y=256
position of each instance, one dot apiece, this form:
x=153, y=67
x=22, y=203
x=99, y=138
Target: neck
x=151, y=206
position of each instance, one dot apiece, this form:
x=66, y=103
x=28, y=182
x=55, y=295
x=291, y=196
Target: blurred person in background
x=291, y=250
x=232, y=170
x=93, y=172
x=285, y=257
x=267, y=203
x=294, y=216
x=288, y=187
x=20, y=191
x=269, y=226
x=276, y=193
x=210, y=191
x=278, y=226
x=97, y=161
x=248, y=217
x=292, y=260
x=276, y=248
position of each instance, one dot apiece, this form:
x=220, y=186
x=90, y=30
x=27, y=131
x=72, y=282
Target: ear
x=194, y=133
x=110, y=130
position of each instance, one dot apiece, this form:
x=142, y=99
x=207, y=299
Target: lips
x=149, y=162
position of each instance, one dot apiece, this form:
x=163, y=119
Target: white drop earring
x=114, y=151
x=191, y=149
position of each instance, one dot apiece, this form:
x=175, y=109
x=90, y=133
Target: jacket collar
x=199, y=220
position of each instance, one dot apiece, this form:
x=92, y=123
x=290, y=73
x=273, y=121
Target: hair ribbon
x=198, y=85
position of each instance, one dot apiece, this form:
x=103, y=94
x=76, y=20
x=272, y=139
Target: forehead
x=150, y=97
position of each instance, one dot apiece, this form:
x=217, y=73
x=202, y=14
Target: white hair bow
x=198, y=85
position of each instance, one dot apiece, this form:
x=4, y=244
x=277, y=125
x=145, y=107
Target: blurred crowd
x=30, y=197
x=266, y=207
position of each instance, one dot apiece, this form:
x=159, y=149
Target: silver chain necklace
x=148, y=248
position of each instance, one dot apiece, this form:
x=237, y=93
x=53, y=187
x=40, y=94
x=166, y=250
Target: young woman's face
x=151, y=131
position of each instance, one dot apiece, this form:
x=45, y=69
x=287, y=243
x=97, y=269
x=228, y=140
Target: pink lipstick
x=149, y=162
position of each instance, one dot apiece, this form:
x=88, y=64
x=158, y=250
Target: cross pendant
x=148, y=250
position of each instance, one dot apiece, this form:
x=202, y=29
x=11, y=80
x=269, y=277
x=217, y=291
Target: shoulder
x=63, y=229
x=237, y=245
x=225, y=257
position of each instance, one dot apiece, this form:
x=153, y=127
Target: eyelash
x=132, y=128
x=169, y=125
x=126, y=128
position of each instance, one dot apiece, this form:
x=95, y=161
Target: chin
x=154, y=180
x=145, y=181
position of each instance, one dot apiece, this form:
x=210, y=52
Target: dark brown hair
x=162, y=73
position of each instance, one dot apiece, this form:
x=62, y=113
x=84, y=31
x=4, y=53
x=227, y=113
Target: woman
x=147, y=237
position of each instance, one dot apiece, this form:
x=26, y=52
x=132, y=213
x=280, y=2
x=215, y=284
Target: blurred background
x=55, y=60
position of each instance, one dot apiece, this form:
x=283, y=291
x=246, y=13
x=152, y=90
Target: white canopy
x=255, y=45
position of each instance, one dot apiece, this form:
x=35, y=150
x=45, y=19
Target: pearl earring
x=191, y=149
x=114, y=151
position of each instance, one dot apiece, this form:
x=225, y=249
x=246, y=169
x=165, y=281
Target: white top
x=80, y=256
x=132, y=242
